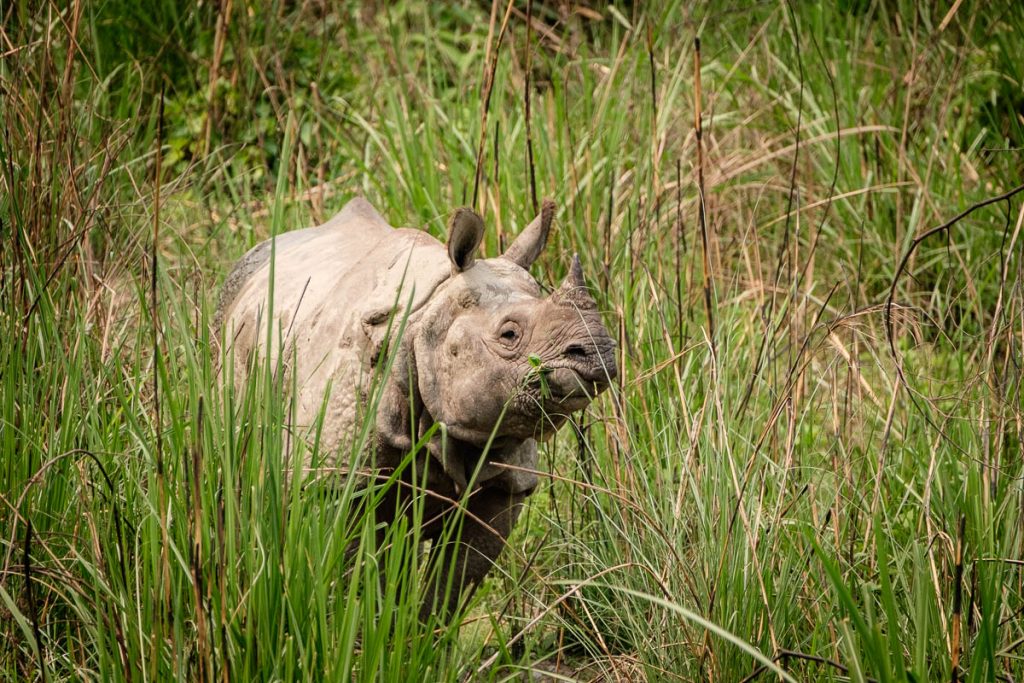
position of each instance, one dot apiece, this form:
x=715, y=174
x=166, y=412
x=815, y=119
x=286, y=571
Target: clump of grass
x=792, y=491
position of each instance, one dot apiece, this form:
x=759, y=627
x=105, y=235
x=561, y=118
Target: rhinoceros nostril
x=576, y=351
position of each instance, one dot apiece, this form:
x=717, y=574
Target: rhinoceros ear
x=530, y=243
x=465, y=231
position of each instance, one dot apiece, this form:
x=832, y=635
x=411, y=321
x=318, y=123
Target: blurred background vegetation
x=814, y=457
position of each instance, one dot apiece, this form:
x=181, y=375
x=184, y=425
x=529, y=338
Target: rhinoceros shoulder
x=358, y=212
x=357, y=216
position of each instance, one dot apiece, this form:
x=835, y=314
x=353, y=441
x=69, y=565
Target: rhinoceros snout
x=593, y=362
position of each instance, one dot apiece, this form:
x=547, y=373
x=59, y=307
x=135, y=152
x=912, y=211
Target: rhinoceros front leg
x=492, y=513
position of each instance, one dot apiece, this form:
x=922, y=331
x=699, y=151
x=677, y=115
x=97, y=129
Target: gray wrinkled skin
x=484, y=354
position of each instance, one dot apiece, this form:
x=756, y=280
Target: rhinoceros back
x=335, y=289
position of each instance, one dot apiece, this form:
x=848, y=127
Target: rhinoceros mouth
x=570, y=401
x=570, y=389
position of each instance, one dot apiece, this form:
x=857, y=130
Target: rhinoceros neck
x=509, y=464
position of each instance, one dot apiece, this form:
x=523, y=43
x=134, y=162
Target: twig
x=783, y=655
x=526, y=95
x=195, y=508
x=164, y=582
x=655, y=157
x=702, y=224
x=680, y=250
x=220, y=32
x=769, y=330
x=701, y=207
x=33, y=611
x=488, y=87
x=1003, y=560
x=958, y=576
x=906, y=258
x=835, y=170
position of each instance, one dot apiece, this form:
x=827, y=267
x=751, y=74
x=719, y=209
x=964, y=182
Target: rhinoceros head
x=494, y=357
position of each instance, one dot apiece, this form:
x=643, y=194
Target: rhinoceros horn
x=573, y=290
x=530, y=242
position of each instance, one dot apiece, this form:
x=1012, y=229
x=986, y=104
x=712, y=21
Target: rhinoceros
x=476, y=353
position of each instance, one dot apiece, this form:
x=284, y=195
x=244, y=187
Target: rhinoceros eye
x=509, y=333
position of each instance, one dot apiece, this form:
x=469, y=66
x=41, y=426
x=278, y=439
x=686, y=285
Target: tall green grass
x=790, y=492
